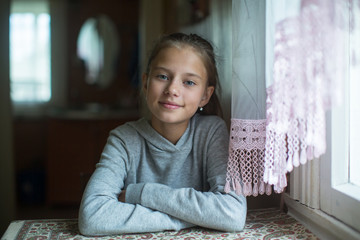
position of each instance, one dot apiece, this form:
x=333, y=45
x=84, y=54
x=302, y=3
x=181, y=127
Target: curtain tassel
x=268, y=189
x=247, y=189
x=303, y=158
x=238, y=189
x=262, y=188
x=289, y=164
x=227, y=187
x=255, y=191
x=296, y=160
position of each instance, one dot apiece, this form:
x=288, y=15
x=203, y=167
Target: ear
x=207, y=95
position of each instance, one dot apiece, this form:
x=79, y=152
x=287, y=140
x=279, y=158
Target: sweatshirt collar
x=145, y=129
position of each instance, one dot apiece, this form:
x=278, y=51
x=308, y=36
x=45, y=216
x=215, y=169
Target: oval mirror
x=98, y=46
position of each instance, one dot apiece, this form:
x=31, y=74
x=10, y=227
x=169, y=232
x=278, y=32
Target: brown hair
x=206, y=52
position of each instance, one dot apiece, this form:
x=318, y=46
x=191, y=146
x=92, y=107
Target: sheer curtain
x=282, y=85
x=248, y=109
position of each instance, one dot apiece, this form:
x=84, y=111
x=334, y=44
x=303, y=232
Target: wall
x=7, y=185
x=67, y=72
x=125, y=16
x=59, y=54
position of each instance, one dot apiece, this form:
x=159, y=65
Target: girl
x=168, y=172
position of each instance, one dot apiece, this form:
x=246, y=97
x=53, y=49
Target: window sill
x=349, y=189
x=29, y=110
x=318, y=222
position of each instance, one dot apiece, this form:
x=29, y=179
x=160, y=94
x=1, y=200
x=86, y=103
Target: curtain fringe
x=245, y=171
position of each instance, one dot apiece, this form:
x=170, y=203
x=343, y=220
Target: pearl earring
x=201, y=108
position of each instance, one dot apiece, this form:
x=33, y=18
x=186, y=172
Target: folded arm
x=101, y=213
x=216, y=210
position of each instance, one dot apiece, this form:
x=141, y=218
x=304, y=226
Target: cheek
x=153, y=91
x=194, y=97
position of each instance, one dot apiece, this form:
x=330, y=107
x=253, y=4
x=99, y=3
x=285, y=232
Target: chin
x=171, y=119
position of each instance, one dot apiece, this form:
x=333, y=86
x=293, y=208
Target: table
x=261, y=224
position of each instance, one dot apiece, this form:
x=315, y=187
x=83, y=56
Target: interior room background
x=48, y=150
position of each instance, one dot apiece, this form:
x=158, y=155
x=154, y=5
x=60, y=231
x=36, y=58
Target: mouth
x=170, y=105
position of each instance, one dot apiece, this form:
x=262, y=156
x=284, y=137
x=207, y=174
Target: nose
x=172, y=88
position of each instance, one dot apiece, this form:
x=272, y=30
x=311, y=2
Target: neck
x=170, y=131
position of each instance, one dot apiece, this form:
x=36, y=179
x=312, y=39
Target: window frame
x=336, y=212
x=338, y=196
x=33, y=108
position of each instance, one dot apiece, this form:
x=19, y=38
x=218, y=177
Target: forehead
x=183, y=56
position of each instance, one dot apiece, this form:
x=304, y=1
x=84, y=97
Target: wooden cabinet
x=74, y=148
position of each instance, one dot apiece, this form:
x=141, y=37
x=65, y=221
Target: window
x=354, y=111
x=340, y=179
x=30, y=73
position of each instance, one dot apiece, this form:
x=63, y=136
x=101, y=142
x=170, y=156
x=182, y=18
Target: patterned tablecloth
x=261, y=224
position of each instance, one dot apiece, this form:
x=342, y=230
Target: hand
x=121, y=197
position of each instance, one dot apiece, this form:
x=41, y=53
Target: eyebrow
x=168, y=70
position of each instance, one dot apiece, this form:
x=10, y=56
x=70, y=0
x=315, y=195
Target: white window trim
x=339, y=211
x=337, y=214
x=318, y=222
x=338, y=197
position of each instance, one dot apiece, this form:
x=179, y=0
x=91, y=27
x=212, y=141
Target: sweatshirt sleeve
x=100, y=211
x=212, y=209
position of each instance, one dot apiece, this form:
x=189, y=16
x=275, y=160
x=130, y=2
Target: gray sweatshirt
x=168, y=187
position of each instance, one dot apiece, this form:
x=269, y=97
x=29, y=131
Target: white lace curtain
x=287, y=67
x=248, y=108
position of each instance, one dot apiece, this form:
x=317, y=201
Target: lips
x=170, y=105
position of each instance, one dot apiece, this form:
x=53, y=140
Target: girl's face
x=176, y=86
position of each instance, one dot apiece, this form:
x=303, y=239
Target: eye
x=162, y=77
x=189, y=83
